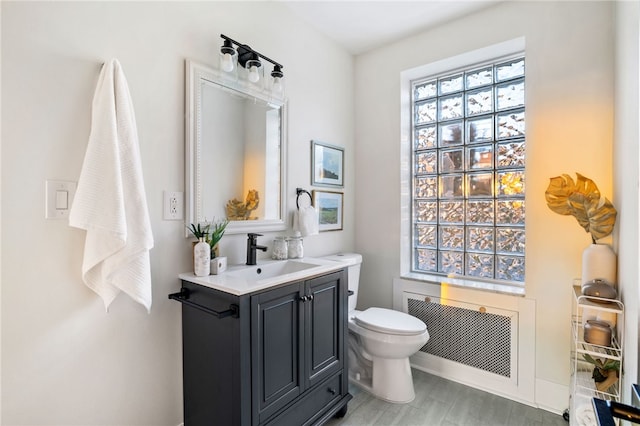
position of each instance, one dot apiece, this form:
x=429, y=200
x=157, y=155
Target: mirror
x=235, y=149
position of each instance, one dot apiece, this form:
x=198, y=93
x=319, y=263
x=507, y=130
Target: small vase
x=599, y=262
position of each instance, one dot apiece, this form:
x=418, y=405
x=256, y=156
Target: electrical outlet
x=173, y=205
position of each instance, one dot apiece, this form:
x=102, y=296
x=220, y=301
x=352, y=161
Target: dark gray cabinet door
x=324, y=338
x=297, y=343
x=276, y=317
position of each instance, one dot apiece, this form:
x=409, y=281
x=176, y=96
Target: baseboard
x=551, y=396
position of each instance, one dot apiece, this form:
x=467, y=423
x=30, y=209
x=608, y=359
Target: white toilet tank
x=352, y=261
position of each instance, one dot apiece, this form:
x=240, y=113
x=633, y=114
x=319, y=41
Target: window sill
x=492, y=286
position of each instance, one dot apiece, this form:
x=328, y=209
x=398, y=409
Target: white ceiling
x=363, y=25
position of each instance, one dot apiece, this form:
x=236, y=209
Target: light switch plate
x=58, y=198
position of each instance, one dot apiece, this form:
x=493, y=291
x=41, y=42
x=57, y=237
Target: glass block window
x=468, y=186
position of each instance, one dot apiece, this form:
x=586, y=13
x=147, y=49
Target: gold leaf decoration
x=558, y=192
x=602, y=219
x=237, y=210
x=582, y=199
x=253, y=199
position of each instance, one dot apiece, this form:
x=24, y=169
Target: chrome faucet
x=252, y=246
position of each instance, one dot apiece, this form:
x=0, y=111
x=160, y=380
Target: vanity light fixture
x=276, y=84
x=251, y=66
x=228, y=57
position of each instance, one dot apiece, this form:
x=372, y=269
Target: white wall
x=627, y=179
x=569, y=100
x=66, y=361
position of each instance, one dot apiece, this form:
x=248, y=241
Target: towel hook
x=299, y=192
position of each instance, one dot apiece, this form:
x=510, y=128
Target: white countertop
x=239, y=286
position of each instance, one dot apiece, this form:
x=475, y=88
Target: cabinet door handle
x=304, y=298
x=310, y=297
x=332, y=391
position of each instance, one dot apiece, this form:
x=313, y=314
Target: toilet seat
x=389, y=321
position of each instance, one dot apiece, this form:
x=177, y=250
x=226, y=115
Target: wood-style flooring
x=441, y=402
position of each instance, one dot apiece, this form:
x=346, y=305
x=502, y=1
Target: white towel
x=305, y=221
x=110, y=202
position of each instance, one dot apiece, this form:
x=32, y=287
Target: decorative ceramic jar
x=597, y=333
x=295, y=249
x=600, y=289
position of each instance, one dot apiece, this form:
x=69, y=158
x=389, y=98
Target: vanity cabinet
x=276, y=357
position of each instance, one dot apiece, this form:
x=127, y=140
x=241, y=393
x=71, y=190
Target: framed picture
x=329, y=207
x=327, y=164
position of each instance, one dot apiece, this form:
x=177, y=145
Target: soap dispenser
x=202, y=258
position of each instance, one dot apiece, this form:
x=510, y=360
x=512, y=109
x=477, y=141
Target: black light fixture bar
x=248, y=51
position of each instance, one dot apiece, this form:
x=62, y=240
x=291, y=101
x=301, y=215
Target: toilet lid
x=389, y=321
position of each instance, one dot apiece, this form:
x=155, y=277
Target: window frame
x=496, y=54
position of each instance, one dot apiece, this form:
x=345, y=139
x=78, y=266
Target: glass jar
x=295, y=247
x=279, y=248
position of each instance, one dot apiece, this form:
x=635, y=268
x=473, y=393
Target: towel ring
x=299, y=192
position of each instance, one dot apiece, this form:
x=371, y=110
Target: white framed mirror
x=235, y=144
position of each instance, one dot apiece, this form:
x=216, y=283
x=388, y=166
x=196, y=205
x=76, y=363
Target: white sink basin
x=243, y=279
x=266, y=271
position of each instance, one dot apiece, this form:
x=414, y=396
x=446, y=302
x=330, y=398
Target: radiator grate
x=479, y=340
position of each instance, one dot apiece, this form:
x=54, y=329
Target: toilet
x=380, y=343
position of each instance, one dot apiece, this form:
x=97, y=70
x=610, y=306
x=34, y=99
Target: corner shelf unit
x=583, y=387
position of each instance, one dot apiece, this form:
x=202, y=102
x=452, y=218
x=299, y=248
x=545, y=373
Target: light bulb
x=227, y=63
x=277, y=85
x=253, y=74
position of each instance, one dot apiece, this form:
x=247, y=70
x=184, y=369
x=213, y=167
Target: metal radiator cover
x=478, y=339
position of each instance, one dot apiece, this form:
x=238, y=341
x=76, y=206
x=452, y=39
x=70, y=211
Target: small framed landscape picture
x=329, y=206
x=327, y=163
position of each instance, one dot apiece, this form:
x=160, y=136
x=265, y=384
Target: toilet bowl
x=380, y=343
